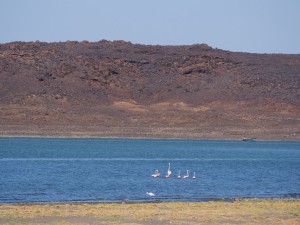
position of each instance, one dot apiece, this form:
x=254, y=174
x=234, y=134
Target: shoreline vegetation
x=238, y=211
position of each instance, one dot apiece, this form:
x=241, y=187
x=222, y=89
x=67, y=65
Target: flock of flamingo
x=157, y=174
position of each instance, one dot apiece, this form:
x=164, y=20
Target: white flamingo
x=169, y=171
x=187, y=175
x=194, y=177
x=179, y=175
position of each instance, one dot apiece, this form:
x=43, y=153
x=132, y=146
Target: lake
x=119, y=170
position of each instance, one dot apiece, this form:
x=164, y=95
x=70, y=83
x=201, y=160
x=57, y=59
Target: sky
x=257, y=26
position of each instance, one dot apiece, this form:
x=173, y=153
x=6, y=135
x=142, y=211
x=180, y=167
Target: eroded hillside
x=119, y=89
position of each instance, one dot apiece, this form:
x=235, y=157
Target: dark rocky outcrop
x=107, y=89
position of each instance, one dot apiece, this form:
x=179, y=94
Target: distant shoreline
x=157, y=132
x=141, y=138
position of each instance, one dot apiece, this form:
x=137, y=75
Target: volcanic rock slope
x=119, y=89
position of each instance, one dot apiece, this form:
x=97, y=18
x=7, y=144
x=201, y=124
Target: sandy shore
x=246, y=211
x=144, y=132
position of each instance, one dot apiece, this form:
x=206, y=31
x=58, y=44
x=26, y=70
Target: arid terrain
x=247, y=211
x=120, y=89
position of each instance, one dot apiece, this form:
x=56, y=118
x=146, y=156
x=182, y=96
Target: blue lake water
x=117, y=170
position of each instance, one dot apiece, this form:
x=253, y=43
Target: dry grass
x=238, y=212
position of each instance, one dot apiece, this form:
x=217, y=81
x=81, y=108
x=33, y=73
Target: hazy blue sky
x=270, y=26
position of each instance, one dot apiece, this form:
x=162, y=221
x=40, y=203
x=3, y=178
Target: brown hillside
x=119, y=89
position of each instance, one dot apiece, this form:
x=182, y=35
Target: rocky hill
x=119, y=89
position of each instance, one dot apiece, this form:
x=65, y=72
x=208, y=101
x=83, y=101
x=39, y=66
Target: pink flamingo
x=187, y=175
